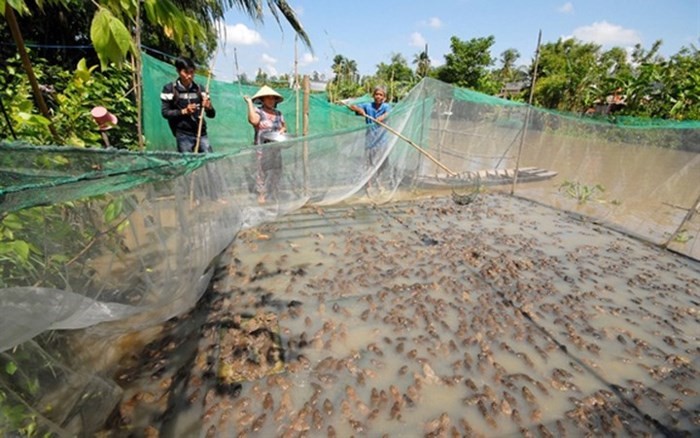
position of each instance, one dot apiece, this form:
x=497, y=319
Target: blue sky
x=369, y=32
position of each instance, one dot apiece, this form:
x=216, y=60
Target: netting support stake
x=7, y=119
x=201, y=114
x=527, y=114
x=691, y=211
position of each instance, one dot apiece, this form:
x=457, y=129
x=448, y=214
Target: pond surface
x=502, y=317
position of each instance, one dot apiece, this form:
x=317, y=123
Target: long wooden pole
x=238, y=74
x=695, y=208
x=201, y=114
x=296, y=87
x=138, y=78
x=527, y=114
x=19, y=42
x=409, y=141
x=305, y=132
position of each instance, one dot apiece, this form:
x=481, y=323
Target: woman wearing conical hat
x=266, y=120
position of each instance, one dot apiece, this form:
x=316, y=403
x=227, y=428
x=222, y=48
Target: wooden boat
x=485, y=177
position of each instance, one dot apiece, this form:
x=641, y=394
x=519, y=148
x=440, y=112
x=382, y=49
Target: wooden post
x=137, y=78
x=691, y=211
x=19, y=41
x=305, y=131
x=527, y=114
x=296, y=87
x=201, y=114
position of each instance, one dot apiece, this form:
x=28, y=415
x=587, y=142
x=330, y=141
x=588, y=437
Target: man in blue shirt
x=376, y=137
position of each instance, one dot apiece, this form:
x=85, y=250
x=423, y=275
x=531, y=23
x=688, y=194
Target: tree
x=468, y=63
x=345, y=80
x=261, y=77
x=508, y=71
x=171, y=26
x=567, y=72
x=344, y=69
x=181, y=21
x=422, y=61
x=397, y=76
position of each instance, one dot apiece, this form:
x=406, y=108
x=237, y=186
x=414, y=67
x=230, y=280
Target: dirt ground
x=495, y=317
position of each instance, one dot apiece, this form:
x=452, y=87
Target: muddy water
x=433, y=319
x=647, y=190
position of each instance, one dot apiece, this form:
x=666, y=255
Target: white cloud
x=267, y=59
x=269, y=63
x=242, y=35
x=607, y=34
x=306, y=59
x=434, y=22
x=566, y=8
x=417, y=40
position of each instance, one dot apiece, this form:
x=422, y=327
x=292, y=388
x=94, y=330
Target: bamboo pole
x=296, y=87
x=238, y=74
x=138, y=78
x=691, y=212
x=409, y=141
x=201, y=113
x=527, y=114
x=305, y=150
x=26, y=63
x=7, y=119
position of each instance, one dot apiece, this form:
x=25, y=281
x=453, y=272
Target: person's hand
x=206, y=102
x=357, y=110
x=247, y=99
x=189, y=109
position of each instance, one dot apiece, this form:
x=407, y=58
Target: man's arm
x=357, y=110
x=168, y=107
x=253, y=116
x=383, y=115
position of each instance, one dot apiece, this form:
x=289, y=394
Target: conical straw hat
x=267, y=91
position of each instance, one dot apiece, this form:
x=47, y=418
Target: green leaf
x=99, y=29
x=110, y=38
x=13, y=222
x=120, y=35
x=10, y=368
x=18, y=5
x=127, y=5
x=149, y=6
x=113, y=210
x=21, y=249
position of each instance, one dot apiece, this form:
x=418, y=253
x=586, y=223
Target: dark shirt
x=174, y=98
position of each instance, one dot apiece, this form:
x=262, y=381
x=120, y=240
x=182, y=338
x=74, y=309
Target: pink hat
x=104, y=119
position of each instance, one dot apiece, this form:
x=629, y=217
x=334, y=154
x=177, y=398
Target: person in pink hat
x=267, y=121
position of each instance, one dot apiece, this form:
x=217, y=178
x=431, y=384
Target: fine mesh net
x=102, y=243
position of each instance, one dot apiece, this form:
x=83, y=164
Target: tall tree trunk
x=19, y=42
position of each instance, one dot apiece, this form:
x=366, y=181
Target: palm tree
x=508, y=59
x=422, y=61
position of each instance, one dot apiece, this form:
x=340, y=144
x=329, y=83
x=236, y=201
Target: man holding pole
x=375, y=113
x=184, y=104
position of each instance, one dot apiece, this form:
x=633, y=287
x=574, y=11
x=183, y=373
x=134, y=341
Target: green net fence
x=97, y=244
x=230, y=129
